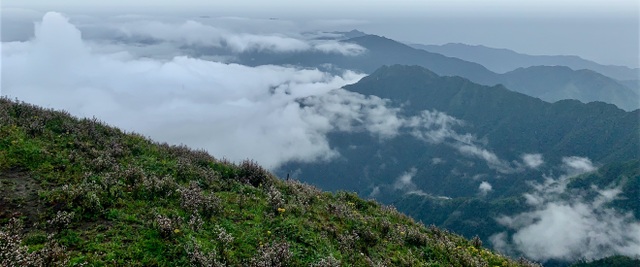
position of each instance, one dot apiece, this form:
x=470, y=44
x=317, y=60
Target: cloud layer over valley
x=272, y=114
x=136, y=73
x=231, y=110
x=568, y=225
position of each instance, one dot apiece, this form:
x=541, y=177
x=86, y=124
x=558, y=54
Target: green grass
x=112, y=198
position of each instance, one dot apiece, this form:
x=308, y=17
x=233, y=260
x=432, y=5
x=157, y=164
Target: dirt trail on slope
x=19, y=196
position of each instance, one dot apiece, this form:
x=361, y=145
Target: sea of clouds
x=273, y=114
x=132, y=72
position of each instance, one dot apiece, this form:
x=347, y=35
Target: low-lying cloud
x=437, y=127
x=272, y=114
x=577, y=165
x=532, y=161
x=231, y=110
x=568, y=226
x=211, y=34
x=404, y=181
x=485, y=187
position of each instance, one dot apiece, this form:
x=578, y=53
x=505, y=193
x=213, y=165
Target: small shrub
x=153, y=186
x=5, y=117
x=224, y=238
x=276, y=254
x=252, y=173
x=13, y=253
x=526, y=262
x=193, y=199
x=225, y=242
x=165, y=225
x=384, y=227
x=367, y=236
x=414, y=237
x=133, y=175
x=61, y=220
x=195, y=222
x=276, y=201
x=347, y=242
x=303, y=194
x=328, y=261
x=476, y=242
x=199, y=258
x=84, y=196
x=340, y=210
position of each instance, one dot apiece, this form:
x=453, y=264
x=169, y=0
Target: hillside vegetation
x=75, y=191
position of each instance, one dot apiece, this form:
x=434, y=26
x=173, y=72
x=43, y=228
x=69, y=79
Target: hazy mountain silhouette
x=547, y=83
x=504, y=60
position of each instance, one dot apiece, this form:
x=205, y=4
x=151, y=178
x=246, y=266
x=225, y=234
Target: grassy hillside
x=76, y=191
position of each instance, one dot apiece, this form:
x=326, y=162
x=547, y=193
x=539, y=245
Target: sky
x=600, y=30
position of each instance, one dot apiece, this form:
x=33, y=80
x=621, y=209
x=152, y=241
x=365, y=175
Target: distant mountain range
x=553, y=83
x=549, y=83
x=498, y=114
x=509, y=123
x=505, y=60
x=438, y=182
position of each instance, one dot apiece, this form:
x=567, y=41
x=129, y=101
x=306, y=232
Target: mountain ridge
x=502, y=60
x=411, y=81
x=382, y=51
x=441, y=182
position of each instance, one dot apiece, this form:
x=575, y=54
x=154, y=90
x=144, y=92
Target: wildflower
x=269, y=232
x=177, y=231
x=281, y=210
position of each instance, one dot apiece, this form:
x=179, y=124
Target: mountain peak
x=372, y=40
x=403, y=70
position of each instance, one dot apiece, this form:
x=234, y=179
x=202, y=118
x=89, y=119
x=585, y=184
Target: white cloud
x=567, y=226
x=347, y=49
x=532, y=161
x=231, y=110
x=355, y=112
x=237, y=35
x=577, y=165
x=200, y=94
x=272, y=114
x=437, y=127
x=492, y=160
x=269, y=113
x=485, y=187
x=404, y=181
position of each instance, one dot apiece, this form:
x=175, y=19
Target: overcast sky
x=605, y=31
